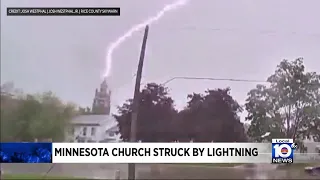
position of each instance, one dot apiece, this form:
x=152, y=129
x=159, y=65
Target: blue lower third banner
x=26, y=152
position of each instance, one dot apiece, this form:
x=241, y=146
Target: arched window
x=93, y=131
x=84, y=131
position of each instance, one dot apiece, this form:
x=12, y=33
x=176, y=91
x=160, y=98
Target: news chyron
x=282, y=151
x=37, y=11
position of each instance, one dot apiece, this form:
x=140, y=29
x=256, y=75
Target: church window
x=111, y=134
x=84, y=131
x=93, y=131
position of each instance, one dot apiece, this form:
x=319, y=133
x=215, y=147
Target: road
x=107, y=171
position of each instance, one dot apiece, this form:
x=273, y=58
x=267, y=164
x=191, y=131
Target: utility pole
x=136, y=100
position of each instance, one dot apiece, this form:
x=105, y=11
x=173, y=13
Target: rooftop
x=94, y=119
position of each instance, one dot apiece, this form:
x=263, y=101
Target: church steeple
x=104, y=85
x=101, y=101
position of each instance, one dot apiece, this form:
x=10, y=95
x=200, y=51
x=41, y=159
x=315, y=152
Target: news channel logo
x=282, y=151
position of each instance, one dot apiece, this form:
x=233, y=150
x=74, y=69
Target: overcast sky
x=242, y=39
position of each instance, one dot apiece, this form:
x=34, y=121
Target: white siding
x=312, y=146
x=103, y=122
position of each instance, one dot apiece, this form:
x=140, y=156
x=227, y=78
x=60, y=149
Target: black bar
x=89, y=11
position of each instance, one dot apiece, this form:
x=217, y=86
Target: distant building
x=310, y=146
x=101, y=101
x=99, y=125
x=94, y=128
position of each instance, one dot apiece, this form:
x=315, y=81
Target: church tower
x=101, y=102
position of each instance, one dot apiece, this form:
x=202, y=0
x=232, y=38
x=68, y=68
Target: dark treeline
x=287, y=107
x=33, y=117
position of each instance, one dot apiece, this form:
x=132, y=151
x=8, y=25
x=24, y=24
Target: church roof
x=93, y=119
x=112, y=127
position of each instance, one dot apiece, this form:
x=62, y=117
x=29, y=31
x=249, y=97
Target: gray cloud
x=227, y=39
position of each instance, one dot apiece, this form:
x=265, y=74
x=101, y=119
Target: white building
x=311, y=146
x=98, y=125
x=93, y=128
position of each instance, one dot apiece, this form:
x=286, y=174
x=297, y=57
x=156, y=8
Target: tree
x=84, y=111
x=30, y=117
x=52, y=119
x=288, y=107
x=156, y=111
x=211, y=117
x=9, y=103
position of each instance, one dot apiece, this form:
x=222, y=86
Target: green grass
x=33, y=176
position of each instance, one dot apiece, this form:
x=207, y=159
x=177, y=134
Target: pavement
x=106, y=171
x=147, y=171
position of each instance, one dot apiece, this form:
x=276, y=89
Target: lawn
x=33, y=176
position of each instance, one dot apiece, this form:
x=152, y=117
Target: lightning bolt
x=114, y=45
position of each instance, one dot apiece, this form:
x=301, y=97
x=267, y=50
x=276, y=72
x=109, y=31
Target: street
x=107, y=171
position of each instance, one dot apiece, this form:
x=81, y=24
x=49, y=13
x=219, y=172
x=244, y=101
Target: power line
x=212, y=79
x=217, y=79
x=223, y=79
x=235, y=30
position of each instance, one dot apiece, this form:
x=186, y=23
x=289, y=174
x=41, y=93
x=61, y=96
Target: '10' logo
x=282, y=150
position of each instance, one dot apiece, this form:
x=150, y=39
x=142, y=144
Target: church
x=102, y=99
x=98, y=125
